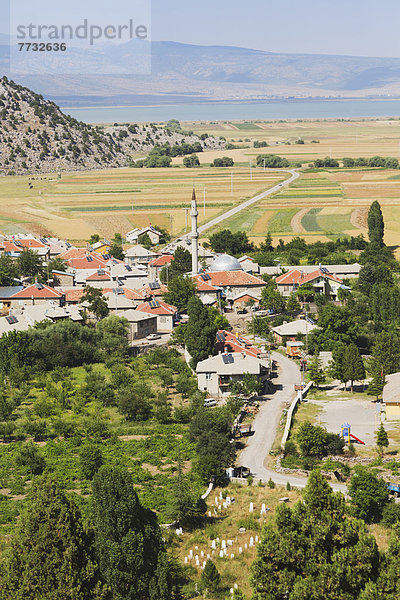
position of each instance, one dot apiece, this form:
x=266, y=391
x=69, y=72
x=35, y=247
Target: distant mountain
x=188, y=73
x=37, y=137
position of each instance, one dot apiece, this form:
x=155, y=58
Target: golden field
x=320, y=205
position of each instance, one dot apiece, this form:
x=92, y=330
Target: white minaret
x=195, y=235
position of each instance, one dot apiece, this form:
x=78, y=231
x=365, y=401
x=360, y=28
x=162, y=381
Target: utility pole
x=171, y=223
x=264, y=164
x=186, y=218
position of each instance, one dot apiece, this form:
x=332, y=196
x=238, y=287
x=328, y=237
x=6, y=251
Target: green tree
x=377, y=383
x=353, y=367
x=184, y=505
x=311, y=439
x=128, y=540
x=200, y=332
x=181, y=264
x=180, y=291
x=90, y=460
x=94, y=238
x=369, y=495
x=8, y=270
x=50, y=553
x=266, y=245
x=210, y=578
x=272, y=300
x=117, y=251
x=385, y=352
x=376, y=225
x=191, y=161
x=56, y=264
x=113, y=335
x=314, y=550
x=134, y=401
x=382, y=440
x=316, y=372
x=97, y=304
x=292, y=304
x=230, y=243
x=211, y=430
x=29, y=264
x=30, y=457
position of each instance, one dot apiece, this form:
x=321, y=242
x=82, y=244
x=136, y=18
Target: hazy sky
x=355, y=27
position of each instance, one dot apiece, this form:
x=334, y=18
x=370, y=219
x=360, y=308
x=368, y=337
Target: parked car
x=153, y=336
x=209, y=402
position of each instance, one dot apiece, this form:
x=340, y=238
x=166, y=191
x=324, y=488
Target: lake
x=324, y=109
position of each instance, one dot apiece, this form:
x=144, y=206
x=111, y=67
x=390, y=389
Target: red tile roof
x=74, y=253
x=298, y=277
x=37, y=290
x=74, y=295
x=157, y=293
x=234, y=278
x=91, y=261
x=104, y=276
x=161, y=261
x=235, y=343
x=204, y=286
x=161, y=309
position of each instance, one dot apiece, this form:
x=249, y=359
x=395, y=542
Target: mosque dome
x=224, y=262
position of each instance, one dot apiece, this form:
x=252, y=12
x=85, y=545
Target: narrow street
x=265, y=426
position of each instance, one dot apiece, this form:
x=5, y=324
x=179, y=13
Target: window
x=208, y=376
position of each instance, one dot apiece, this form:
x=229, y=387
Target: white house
x=133, y=237
x=216, y=374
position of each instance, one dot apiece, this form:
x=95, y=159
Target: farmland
x=321, y=205
x=79, y=204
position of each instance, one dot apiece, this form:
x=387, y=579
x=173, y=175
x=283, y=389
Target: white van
x=209, y=402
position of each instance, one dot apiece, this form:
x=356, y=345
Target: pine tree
x=49, y=557
x=128, y=540
x=316, y=372
x=292, y=304
x=200, y=331
x=353, y=366
x=376, y=226
x=376, y=385
x=210, y=578
x=382, y=440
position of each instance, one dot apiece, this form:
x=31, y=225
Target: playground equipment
x=345, y=433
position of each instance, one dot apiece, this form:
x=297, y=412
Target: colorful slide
x=357, y=439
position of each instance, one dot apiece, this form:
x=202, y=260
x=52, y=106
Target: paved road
x=233, y=211
x=265, y=426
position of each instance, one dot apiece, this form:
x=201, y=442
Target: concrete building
x=320, y=279
x=290, y=332
x=140, y=324
x=216, y=374
x=37, y=294
x=138, y=256
x=391, y=396
x=166, y=314
x=133, y=237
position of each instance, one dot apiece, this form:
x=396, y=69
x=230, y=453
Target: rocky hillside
x=36, y=137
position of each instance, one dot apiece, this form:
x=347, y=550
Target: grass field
x=109, y=201
x=104, y=202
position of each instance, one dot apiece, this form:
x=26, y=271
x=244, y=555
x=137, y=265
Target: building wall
x=208, y=384
x=17, y=303
x=393, y=411
x=165, y=323
x=142, y=329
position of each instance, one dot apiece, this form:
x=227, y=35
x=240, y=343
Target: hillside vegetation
x=37, y=137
